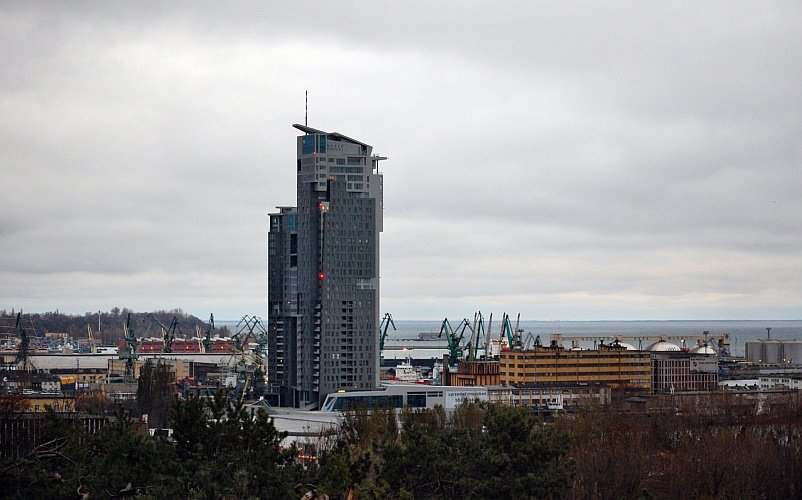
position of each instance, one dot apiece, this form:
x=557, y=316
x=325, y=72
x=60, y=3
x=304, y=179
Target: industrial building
x=471, y=373
x=684, y=371
x=615, y=366
x=323, y=273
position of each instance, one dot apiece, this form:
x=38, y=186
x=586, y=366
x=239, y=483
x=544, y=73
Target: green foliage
x=155, y=393
x=233, y=453
x=238, y=455
x=479, y=451
x=67, y=461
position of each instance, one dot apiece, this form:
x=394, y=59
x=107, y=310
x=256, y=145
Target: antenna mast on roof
x=306, y=108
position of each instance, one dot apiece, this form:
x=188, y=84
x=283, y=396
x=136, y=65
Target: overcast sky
x=592, y=160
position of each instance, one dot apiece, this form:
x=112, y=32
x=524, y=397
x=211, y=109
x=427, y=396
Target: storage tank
x=753, y=351
x=774, y=352
x=792, y=352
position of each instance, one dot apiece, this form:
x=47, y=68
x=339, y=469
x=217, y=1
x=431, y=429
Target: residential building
x=323, y=273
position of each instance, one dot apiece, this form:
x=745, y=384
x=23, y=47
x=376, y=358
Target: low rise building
x=780, y=381
x=471, y=373
x=680, y=371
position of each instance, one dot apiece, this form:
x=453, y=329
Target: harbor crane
x=454, y=341
x=248, y=368
x=21, y=358
x=205, y=342
x=386, y=322
x=130, y=353
x=513, y=335
x=207, y=339
x=477, y=331
x=168, y=333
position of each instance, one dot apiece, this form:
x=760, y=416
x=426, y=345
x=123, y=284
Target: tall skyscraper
x=323, y=273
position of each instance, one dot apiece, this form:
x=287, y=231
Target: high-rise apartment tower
x=323, y=273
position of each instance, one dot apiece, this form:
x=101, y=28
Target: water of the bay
x=739, y=331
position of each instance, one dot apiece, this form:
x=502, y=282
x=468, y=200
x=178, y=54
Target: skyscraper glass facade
x=323, y=272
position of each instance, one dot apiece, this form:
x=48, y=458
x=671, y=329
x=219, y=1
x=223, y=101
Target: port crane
x=477, y=331
x=168, y=333
x=386, y=322
x=513, y=335
x=454, y=341
x=91, y=339
x=21, y=359
x=130, y=353
x=248, y=367
x=207, y=339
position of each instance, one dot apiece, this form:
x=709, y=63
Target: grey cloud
x=621, y=160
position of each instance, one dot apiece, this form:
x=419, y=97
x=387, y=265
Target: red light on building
x=321, y=276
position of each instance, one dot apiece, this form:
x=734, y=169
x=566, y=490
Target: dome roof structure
x=663, y=346
x=703, y=349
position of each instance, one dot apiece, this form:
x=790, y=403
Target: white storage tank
x=774, y=352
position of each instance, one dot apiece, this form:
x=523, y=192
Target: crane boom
x=168, y=333
x=131, y=351
x=454, y=348
x=387, y=321
x=22, y=349
x=207, y=340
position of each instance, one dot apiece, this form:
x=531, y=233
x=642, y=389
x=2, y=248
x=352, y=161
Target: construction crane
x=387, y=321
x=130, y=353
